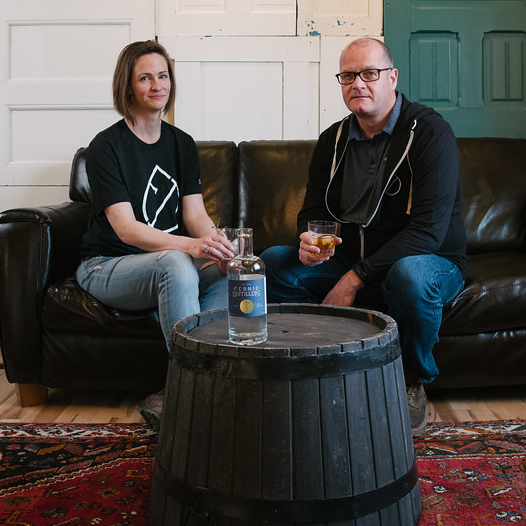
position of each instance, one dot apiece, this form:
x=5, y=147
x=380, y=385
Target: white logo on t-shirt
x=161, y=186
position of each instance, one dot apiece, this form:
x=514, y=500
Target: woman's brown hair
x=122, y=98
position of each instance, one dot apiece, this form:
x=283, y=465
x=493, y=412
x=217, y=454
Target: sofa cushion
x=494, y=298
x=218, y=161
x=493, y=173
x=68, y=308
x=273, y=175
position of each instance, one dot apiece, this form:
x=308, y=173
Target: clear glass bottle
x=247, y=294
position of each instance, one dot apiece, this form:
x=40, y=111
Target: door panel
x=466, y=58
x=226, y=17
x=246, y=88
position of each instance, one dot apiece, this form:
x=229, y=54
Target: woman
x=144, y=178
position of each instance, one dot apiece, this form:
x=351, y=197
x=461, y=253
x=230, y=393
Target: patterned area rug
x=61, y=475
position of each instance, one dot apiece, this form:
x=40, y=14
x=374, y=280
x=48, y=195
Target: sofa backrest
x=493, y=175
x=261, y=184
x=79, y=189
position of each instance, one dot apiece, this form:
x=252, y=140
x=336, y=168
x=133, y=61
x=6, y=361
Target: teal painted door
x=465, y=58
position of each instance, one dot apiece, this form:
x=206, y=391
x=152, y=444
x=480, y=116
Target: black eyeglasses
x=367, y=75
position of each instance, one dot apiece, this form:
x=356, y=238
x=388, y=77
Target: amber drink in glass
x=323, y=234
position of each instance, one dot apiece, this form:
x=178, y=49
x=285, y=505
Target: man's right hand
x=308, y=253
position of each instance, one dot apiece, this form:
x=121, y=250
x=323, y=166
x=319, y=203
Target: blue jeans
x=414, y=291
x=171, y=281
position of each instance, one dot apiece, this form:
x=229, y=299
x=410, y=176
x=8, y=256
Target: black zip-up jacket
x=421, y=210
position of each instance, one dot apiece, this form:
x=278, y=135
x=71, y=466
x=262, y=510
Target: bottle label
x=247, y=298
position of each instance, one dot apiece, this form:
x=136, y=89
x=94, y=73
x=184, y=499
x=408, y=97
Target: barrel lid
x=337, y=338
x=294, y=326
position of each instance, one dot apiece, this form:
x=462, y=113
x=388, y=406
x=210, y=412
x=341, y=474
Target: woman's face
x=150, y=83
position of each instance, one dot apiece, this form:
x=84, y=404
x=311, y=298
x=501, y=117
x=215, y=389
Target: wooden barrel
x=310, y=427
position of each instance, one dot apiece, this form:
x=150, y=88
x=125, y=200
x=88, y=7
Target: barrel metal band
x=285, y=368
x=205, y=502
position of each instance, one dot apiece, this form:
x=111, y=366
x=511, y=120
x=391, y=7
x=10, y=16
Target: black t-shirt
x=152, y=177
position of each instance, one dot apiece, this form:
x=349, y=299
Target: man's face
x=368, y=100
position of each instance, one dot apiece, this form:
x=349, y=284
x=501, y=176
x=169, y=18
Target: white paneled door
x=58, y=62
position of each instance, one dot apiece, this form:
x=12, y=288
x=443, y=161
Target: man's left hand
x=344, y=292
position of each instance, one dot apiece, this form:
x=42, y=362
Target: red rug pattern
x=67, y=475
x=473, y=474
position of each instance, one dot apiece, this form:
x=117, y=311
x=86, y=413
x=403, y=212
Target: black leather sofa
x=55, y=335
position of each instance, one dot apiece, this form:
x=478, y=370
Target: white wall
x=244, y=70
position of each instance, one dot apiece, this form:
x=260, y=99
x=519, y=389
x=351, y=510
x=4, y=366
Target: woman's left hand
x=215, y=247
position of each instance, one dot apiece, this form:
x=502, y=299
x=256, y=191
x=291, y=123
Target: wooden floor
x=461, y=405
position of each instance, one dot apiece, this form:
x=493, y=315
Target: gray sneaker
x=417, y=401
x=151, y=409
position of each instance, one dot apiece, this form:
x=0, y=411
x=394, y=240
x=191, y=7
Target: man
x=389, y=174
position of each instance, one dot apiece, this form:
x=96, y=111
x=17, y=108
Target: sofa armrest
x=38, y=246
